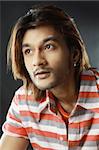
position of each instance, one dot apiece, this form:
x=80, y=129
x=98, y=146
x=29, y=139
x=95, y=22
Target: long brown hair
x=44, y=15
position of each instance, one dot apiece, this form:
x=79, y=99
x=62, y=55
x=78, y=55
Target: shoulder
x=95, y=72
x=22, y=94
x=91, y=72
x=90, y=77
x=22, y=90
x=89, y=89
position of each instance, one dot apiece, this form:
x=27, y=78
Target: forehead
x=40, y=33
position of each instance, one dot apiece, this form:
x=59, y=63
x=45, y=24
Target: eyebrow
x=49, y=38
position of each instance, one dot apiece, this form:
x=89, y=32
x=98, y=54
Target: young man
x=58, y=105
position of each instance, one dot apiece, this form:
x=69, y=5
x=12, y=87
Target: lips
x=41, y=74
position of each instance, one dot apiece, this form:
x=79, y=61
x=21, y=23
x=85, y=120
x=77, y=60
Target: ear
x=76, y=56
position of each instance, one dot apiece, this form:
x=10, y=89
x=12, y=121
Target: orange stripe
x=92, y=138
x=42, y=116
x=97, y=73
x=28, y=114
x=16, y=130
x=62, y=111
x=26, y=97
x=50, y=95
x=88, y=77
x=98, y=86
x=89, y=95
x=84, y=138
x=51, y=117
x=95, y=110
x=13, y=117
x=36, y=146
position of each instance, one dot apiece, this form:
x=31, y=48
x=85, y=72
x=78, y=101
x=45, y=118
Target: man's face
x=46, y=56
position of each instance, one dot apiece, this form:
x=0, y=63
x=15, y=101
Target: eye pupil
x=27, y=51
x=49, y=46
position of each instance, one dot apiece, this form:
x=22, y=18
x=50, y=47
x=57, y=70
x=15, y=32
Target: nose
x=38, y=58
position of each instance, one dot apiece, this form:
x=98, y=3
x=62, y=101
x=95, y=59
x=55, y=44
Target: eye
x=49, y=47
x=27, y=51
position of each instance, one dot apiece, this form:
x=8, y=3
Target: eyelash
x=27, y=51
x=49, y=46
x=46, y=47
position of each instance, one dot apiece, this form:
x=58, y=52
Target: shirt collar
x=48, y=102
x=88, y=94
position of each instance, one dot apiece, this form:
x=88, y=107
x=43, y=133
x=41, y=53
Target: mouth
x=42, y=74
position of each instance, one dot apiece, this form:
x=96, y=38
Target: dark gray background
x=86, y=16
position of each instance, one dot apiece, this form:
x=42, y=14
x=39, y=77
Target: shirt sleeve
x=97, y=76
x=96, y=72
x=13, y=125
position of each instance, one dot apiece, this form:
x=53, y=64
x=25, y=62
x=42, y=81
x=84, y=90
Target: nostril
x=39, y=62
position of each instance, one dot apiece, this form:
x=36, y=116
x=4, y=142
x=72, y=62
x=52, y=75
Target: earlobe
x=75, y=64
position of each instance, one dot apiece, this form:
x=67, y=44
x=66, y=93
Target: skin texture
x=47, y=55
x=51, y=56
x=9, y=142
x=50, y=66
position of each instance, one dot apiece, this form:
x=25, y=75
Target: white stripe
x=14, y=107
x=94, y=132
x=34, y=109
x=51, y=145
x=90, y=105
x=45, y=128
x=76, y=137
x=82, y=118
x=16, y=123
x=21, y=91
x=89, y=72
x=87, y=88
x=98, y=81
x=89, y=148
x=29, y=108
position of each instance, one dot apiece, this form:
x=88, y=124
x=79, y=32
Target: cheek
x=58, y=61
x=61, y=65
x=27, y=64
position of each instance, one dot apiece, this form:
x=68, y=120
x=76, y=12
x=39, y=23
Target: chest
x=50, y=131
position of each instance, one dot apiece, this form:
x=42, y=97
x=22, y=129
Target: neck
x=67, y=93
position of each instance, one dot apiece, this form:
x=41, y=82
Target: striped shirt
x=38, y=122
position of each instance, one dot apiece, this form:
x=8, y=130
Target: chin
x=46, y=86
